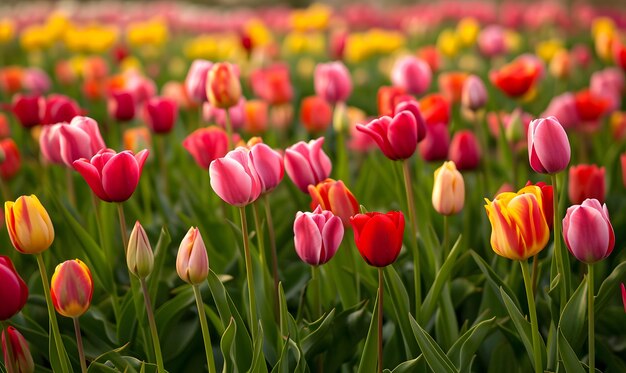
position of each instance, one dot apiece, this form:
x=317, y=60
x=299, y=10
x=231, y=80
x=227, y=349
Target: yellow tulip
x=467, y=31
x=29, y=225
x=448, y=43
x=448, y=189
x=7, y=30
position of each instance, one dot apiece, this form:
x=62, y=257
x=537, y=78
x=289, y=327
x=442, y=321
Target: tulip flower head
x=113, y=177
x=586, y=181
x=268, y=164
x=80, y=139
x=332, y=82
x=234, y=178
x=436, y=145
x=464, y=150
x=588, y=232
x=518, y=226
x=378, y=236
x=517, y=78
x=315, y=114
x=307, y=164
x=139, y=256
x=448, y=189
x=411, y=73
x=223, y=88
x=192, y=261
x=28, y=109
x=195, y=82
x=623, y=295
x=160, y=114
x=317, y=235
x=548, y=146
x=71, y=288
x=13, y=292
x=21, y=356
x=29, y=225
x=544, y=193
x=334, y=196
x=12, y=161
x=206, y=145
x=396, y=137
x=474, y=93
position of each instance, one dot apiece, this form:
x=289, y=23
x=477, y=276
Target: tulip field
x=430, y=187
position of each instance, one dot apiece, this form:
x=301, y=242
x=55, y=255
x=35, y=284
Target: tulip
x=332, y=82
x=435, y=109
x=268, y=164
x=548, y=146
x=561, y=64
x=206, y=145
x=431, y=55
x=589, y=106
x=272, y=84
x=474, y=93
x=236, y=114
x=234, y=178
x=80, y=139
x=27, y=109
x=545, y=194
x=491, y=41
x=139, y=256
x=585, y=182
x=192, y=261
x=11, y=78
x=307, y=164
x=378, y=236
x=435, y=145
x=448, y=190
x=36, y=80
x=396, y=137
x=223, y=88
x=12, y=159
x=59, y=108
x=13, y=292
x=315, y=114
x=317, y=235
x=519, y=228
x=29, y=225
x=588, y=232
x=121, y=105
x=256, y=116
x=71, y=288
x=387, y=99
x=517, y=78
x=195, y=82
x=21, y=358
x=563, y=107
x=465, y=150
x=412, y=74
x=451, y=85
x=334, y=196
x=113, y=177
x=49, y=143
x=160, y=114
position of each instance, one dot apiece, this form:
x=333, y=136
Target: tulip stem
x=79, y=344
x=250, y=278
x=317, y=282
x=414, y=231
x=558, y=252
x=342, y=158
x=446, y=233
x=9, y=361
x=122, y=218
x=272, y=238
x=259, y=233
x=591, y=322
x=51, y=314
x=229, y=129
x=153, y=327
x=380, y=319
x=160, y=143
x=534, y=273
x=71, y=192
x=533, y=317
x=208, y=347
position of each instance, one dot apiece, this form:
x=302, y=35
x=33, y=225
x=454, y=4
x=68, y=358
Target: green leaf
x=315, y=342
x=411, y=366
x=466, y=346
x=160, y=257
x=258, y=359
x=369, y=355
x=573, y=318
x=570, y=360
x=115, y=357
x=226, y=344
x=400, y=305
x=434, y=355
x=610, y=287
x=493, y=279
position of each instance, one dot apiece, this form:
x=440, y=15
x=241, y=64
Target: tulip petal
x=587, y=235
x=230, y=181
x=120, y=176
x=307, y=239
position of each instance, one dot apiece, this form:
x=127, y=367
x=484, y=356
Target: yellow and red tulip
x=71, y=288
x=29, y=225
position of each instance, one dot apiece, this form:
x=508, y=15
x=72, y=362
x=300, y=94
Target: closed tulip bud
x=315, y=114
x=192, y=261
x=160, y=114
x=474, y=93
x=378, y=236
x=27, y=109
x=585, y=182
x=257, y=116
x=13, y=292
x=436, y=144
x=12, y=159
x=268, y=164
x=112, y=176
x=548, y=146
x=396, y=137
x=80, y=139
x=544, y=194
x=307, y=164
x=332, y=82
x=223, y=88
x=21, y=358
x=411, y=73
x=29, y=226
x=234, y=178
x=139, y=256
x=465, y=150
x=121, y=105
x=588, y=232
x=49, y=143
x=448, y=190
x=518, y=226
x=58, y=109
x=491, y=41
x=387, y=99
x=195, y=82
x=71, y=288
x=317, y=236
x=334, y=196
x=206, y=145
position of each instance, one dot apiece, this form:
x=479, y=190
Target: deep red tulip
x=465, y=150
x=160, y=114
x=586, y=181
x=13, y=290
x=121, y=105
x=21, y=357
x=547, y=202
x=396, y=137
x=28, y=109
x=12, y=159
x=436, y=144
x=378, y=236
x=414, y=107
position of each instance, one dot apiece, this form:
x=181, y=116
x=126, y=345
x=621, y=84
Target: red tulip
x=207, y=144
x=388, y=98
x=590, y=107
x=435, y=109
x=13, y=290
x=257, y=116
x=465, y=150
x=273, y=84
x=160, y=114
x=121, y=105
x=334, y=196
x=586, y=181
x=548, y=146
x=28, y=109
x=21, y=357
x=547, y=202
x=414, y=107
x=430, y=54
x=12, y=159
x=396, y=137
x=378, y=236
x=112, y=176
x=588, y=232
x=436, y=144
x=59, y=108
x=517, y=78
x=315, y=114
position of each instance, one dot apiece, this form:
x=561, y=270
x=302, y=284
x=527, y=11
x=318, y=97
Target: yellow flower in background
x=130, y=63
x=548, y=48
x=56, y=24
x=93, y=38
x=259, y=34
x=467, y=31
x=603, y=43
x=448, y=43
x=513, y=40
x=305, y=67
x=602, y=25
x=7, y=30
x=304, y=43
x=153, y=32
x=363, y=45
x=214, y=47
x=313, y=18
x=35, y=37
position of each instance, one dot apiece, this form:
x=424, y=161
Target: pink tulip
x=548, y=146
x=412, y=74
x=586, y=181
x=36, y=80
x=206, y=145
x=464, y=150
x=608, y=84
x=435, y=145
x=27, y=109
x=307, y=164
x=237, y=114
x=491, y=41
x=588, y=232
x=121, y=105
x=160, y=114
x=79, y=139
x=113, y=177
x=268, y=164
x=59, y=108
x=234, y=178
x=474, y=93
x=192, y=261
x=317, y=235
x=333, y=82
x=563, y=107
x=195, y=83
x=50, y=144
x=414, y=107
x=21, y=356
x=396, y=137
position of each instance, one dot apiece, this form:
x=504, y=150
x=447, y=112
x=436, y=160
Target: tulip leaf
x=227, y=346
x=412, y=366
x=400, y=304
x=315, y=342
x=434, y=355
x=573, y=318
x=369, y=356
x=610, y=287
x=446, y=324
x=160, y=256
x=466, y=346
x=115, y=357
x=570, y=360
x=258, y=359
x=493, y=279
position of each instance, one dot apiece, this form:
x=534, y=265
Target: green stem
x=259, y=233
x=342, y=156
x=229, y=129
x=272, y=238
x=56, y=334
x=533, y=317
x=534, y=273
x=79, y=344
x=71, y=192
x=316, y=281
x=414, y=232
x=160, y=143
x=590, y=316
x=446, y=238
x=380, y=319
x=208, y=347
x=122, y=218
x=558, y=251
x=8, y=362
x=153, y=327
x=250, y=278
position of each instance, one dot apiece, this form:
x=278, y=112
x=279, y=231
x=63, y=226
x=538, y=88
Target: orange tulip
x=71, y=288
x=336, y=197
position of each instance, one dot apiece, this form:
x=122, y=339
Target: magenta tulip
x=59, y=108
x=548, y=146
x=79, y=139
x=435, y=145
x=317, y=235
x=307, y=164
x=13, y=290
x=412, y=74
x=414, y=107
x=121, y=105
x=27, y=109
x=268, y=164
x=113, y=177
x=474, y=93
x=588, y=232
x=160, y=114
x=396, y=137
x=464, y=150
x=195, y=83
x=333, y=82
x=234, y=178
